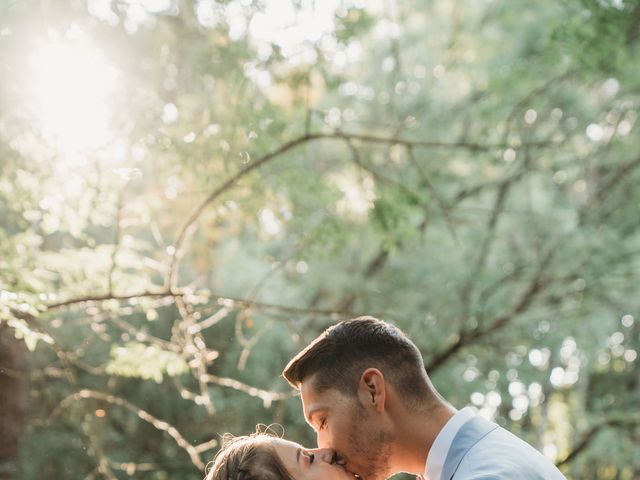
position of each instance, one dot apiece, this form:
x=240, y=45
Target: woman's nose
x=327, y=455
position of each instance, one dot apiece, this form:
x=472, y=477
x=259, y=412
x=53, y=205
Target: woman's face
x=305, y=464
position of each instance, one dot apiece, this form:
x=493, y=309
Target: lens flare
x=72, y=85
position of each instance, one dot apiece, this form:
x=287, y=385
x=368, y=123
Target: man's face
x=343, y=424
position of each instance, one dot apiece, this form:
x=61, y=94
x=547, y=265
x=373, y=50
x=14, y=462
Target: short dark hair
x=344, y=351
x=248, y=457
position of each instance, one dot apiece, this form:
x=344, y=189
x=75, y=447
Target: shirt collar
x=442, y=444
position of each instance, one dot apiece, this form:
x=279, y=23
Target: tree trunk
x=14, y=394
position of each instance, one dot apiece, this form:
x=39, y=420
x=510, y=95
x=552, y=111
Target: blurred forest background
x=190, y=191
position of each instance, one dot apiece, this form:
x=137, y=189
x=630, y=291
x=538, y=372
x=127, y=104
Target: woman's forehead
x=288, y=452
x=285, y=444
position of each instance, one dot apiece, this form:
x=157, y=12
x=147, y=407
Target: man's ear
x=372, y=390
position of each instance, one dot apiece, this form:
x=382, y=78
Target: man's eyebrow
x=298, y=455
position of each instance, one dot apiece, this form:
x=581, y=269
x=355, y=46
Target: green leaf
x=139, y=360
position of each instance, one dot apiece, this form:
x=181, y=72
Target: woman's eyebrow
x=298, y=455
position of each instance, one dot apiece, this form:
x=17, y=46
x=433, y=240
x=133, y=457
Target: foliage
x=191, y=191
x=144, y=361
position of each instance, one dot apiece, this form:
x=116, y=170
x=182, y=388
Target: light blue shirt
x=481, y=450
x=440, y=448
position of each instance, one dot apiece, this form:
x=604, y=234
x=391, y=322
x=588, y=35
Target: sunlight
x=72, y=85
x=293, y=27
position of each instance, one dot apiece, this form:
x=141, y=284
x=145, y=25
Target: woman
x=264, y=457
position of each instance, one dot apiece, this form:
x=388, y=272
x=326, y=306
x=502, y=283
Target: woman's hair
x=249, y=457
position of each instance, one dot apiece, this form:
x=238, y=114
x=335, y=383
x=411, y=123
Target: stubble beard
x=372, y=447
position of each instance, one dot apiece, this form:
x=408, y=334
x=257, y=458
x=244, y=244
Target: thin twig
x=171, y=279
x=194, y=454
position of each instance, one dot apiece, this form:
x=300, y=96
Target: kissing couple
x=367, y=395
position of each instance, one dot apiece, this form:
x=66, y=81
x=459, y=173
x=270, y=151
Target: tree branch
x=467, y=338
x=171, y=279
x=107, y=296
x=193, y=453
x=590, y=436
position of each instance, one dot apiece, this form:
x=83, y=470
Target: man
x=366, y=393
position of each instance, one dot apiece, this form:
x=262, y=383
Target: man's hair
x=248, y=457
x=340, y=355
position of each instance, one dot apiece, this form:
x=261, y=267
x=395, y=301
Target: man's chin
x=355, y=475
x=369, y=476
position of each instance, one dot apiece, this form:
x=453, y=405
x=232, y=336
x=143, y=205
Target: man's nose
x=327, y=455
x=322, y=441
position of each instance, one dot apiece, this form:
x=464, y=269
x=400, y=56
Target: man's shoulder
x=505, y=441
x=479, y=435
x=500, y=454
x=491, y=476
